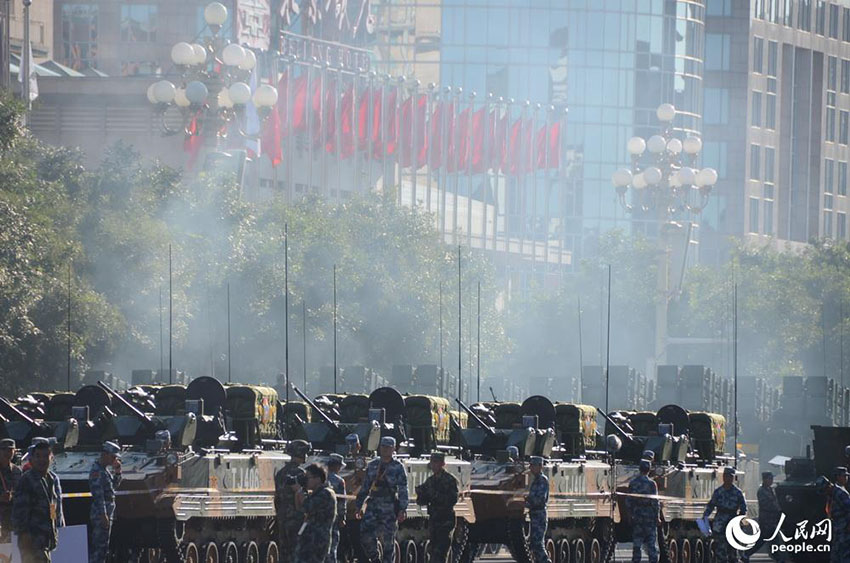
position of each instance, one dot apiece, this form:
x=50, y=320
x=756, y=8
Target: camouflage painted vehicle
x=688, y=466
x=580, y=510
x=421, y=424
x=203, y=490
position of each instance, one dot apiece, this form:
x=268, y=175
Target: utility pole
x=25, y=59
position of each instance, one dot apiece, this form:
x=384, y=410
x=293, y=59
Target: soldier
x=10, y=474
x=729, y=502
x=769, y=512
x=289, y=517
x=839, y=513
x=102, y=485
x=385, y=485
x=319, y=508
x=645, y=514
x=536, y=502
x=37, y=507
x=336, y=483
x=439, y=492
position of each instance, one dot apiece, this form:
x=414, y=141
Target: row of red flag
x=473, y=141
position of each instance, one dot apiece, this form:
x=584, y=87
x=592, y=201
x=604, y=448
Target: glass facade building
x=610, y=62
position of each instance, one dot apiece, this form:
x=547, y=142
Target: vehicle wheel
x=563, y=551
x=230, y=552
x=426, y=552
x=551, y=551
x=459, y=550
x=710, y=546
x=685, y=551
x=411, y=553
x=270, y=553
x=251, y=553
x=191, y=554
x=211, y=553
x=673, y=550
x=518, y=541
x=396, y=552
x=595, y=555
x=699, y=551
x=578, y=551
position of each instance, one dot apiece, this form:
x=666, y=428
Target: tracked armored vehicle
x=580, y=511
x=198, y=472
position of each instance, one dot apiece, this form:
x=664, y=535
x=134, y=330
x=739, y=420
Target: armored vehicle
x=198, y=471
x=798, y=495
x=580, y=509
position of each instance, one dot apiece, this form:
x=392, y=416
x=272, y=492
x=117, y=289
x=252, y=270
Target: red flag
x=392, y=129
x=555, y=145
x=421, y=131
x=436, y=136
x=540, y=148
x=527, y=146
x=316, y=110
x=346, y=113
x=281, y=107
x=405, y=138
x=299, y=105
x=363, y=118
x=458, y=150
x=386, y=131
x=329, y=122
x=410, y=143
x=377, y=106
x=477, y=149
x=193, y=141
x=271, y=138
x=498, y=147
x=513, y=156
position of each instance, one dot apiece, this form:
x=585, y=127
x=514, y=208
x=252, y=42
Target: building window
x=758, y=54
x=842, y=127
x=718, y=47
x=138, y=23
x=772, y=53
x=787, y=14
x=833, y=21
x=845, y=24
x=79, y=35
x=769, y=163
x=716, y=106
x=842, y=178
x=719, y=8
x=755, y=162
x=754, y=215
x=845, y=76
x=756, y=110
x=820, y=17
x=827, y=224
x=830, y=124
x=714, y=155
x=770, y=111
x=768, y=217
x=828, y=175
x=804, y=15
x=842, y=226
x=828, y=201
x=832, y=73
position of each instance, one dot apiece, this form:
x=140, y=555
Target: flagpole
x=469, y=153
x=580, y=356
x=478, y=354
x=532, y=166
x=504, y=163
x=288, y=117
x=521, y=195
x=161, y=360
x=441, y=329
x=442, y=171
x=485, y=167
x=286, y=313
x=370, y=131
x=355, y=128
x=304, y=340
x=308, y=107
x=383, y=143
x=229, y=378
x=414, y=152
x=340, y=97
x=323, y=153
x=69, y=327
x=546, y=187
x=459, y=99
x=459, y=329
x=170, y=319
x=335, y=362
x=561, y=189
x=26, y=52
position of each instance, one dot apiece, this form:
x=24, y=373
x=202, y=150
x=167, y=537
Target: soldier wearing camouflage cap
x=439, y=493
x=337, y=485
x=537, y=501
x=102, y=484
x=10, y=474
x=37, y=507
x=729, y=502
x=644, y=513
x=289, y=517
x=385, y=486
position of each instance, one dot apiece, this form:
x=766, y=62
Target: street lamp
x=664, y=180
x=662, y=176
x=213, y=85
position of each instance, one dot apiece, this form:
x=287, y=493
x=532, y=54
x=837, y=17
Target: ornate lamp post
x=212, y=87
x=663, y=181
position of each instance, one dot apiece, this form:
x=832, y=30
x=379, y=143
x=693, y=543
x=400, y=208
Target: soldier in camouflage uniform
x=769, y=513
x=385, y=485
x=336, y=484
x=729, y=502
x=37, y=507
x=10, y=474
x=536, y=502
x=439, y=492
x=102, y=485
x=839, y=513
x=319, y=508
x=645, y=514
x=289, y=517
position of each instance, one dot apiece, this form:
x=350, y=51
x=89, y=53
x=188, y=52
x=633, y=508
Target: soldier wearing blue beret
x=102, y=484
